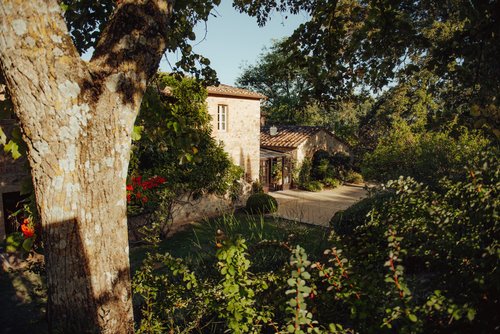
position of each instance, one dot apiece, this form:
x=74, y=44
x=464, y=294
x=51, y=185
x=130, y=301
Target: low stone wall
x=187, y=210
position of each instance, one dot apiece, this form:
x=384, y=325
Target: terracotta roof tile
x=287, y=135
x=225, y=90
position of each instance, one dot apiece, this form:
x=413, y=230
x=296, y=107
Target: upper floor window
x=222, y=117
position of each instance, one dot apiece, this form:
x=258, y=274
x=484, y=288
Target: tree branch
x=132, y=44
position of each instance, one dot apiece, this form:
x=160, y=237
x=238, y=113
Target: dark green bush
x=340, y=163
x=331, y=182
x=261, y=203
x=313, y=186
x=345, y=221
x=427, y=156
x=424, y=262
x=321, y=165
x=353, y=177
x=439, y=247
x=304, y=175
x=326, y=165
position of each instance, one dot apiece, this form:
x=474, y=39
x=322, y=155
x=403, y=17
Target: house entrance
x=275, y=170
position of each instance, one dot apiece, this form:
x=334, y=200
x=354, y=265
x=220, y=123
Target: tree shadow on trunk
x=79, y=309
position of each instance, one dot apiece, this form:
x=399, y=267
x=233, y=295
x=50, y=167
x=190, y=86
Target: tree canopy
x=373, y=45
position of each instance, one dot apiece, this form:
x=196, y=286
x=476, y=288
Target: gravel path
x=316, y=207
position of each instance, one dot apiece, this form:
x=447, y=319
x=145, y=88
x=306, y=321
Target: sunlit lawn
x=198, y=242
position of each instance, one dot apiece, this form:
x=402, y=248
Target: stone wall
x=241, y=139
x=322, y=140
x=187, y=211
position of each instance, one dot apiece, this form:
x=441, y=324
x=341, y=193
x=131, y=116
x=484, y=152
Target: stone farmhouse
x=263, y=152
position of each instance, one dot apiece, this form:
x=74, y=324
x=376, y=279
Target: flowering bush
x=28, y=229
x=142, y=194
x=24, y=239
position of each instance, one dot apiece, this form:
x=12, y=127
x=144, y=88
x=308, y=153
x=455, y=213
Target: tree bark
x=77, y=119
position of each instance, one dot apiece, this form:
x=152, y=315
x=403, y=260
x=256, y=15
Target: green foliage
x=304, y=176
x=86, y=19
x=323, y=169
x=292, y=94
x=426, y=156
x=176, y=142
x=14, y=242
x=353, y=177
x=445, y=239
x=417, y=260
x=353, y=49
x=261, y=203
x=328, y=166
x=345, y=221
x=313, y=186
x=331, y=182
x=239, y=307
x=231, y=294
x=13, y=143
x=321, y=166
x=283, y=83
x=172, y=299
x=300, y=320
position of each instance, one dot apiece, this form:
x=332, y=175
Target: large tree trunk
x=77, y=119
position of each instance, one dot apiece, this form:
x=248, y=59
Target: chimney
x=263, y=117
x=273, y=131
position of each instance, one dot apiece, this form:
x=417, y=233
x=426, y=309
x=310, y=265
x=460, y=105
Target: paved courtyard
x=316, y=207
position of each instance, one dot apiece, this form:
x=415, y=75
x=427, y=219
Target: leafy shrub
x=426, y=157
x=176, y=141
x=340, y=163
x=313, y=186
x=173, y=298
x=331, y=182
x=257, y=188
x=422, y=261
x=321, y=165
x=261, y=203
x=440, y=249
x=325, y=165
x=345, y=221
x=353, y=177
x=304, y=176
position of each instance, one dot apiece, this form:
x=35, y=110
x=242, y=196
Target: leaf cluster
x=86, y=19
x=176, y=141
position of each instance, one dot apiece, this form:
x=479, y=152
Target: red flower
x=138, y=195
x=158, y=180
x=144, y=199
x=147, y=185
x=129, y=198
x=137, y=179
x=28, y=231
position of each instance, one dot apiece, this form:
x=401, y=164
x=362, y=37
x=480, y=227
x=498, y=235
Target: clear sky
x=234, y=40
